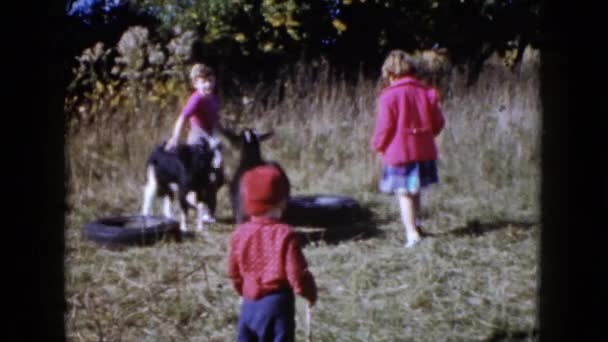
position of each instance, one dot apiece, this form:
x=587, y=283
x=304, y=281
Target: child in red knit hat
x=265, y=263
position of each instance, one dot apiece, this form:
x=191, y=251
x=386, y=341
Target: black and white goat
x=186, y=171
x=248, y=140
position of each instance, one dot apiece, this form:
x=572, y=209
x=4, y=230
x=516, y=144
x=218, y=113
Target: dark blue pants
x=270, y=318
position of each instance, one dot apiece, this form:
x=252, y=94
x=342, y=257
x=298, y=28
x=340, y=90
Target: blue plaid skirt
x=408, y=177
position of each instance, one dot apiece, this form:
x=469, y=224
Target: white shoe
x=207, y=219
x=412, y=241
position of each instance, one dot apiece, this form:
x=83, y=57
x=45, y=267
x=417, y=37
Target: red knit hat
x=262, y=188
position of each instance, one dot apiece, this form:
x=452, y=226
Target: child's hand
x=311, y=303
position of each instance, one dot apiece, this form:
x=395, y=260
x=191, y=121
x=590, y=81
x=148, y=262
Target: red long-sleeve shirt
x=264, y=257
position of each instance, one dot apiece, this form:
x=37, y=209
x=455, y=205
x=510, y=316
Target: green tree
x=351, y=29
x=260, y=35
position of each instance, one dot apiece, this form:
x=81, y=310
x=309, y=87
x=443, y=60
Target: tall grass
x=474, y=278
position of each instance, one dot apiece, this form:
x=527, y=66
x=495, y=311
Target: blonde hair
x=398, y=63
x=201, y=70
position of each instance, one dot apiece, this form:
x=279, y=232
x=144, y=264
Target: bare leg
x=408, y=217
x=418, y=220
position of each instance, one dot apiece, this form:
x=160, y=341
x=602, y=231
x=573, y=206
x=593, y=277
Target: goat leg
x=200, y=216
x=184, y=206
x=167, y=207
x=182, y=222
x=149, y=192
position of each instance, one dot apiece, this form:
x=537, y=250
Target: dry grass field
x=474, y=278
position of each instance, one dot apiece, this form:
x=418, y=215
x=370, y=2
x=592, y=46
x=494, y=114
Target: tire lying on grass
x=131, y=230
x=322, y=210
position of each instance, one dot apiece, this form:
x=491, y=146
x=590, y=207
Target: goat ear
x=264, y=136
x=230, y=135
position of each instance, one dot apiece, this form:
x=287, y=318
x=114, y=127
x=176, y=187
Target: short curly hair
x=201, y=70
x=398, y=63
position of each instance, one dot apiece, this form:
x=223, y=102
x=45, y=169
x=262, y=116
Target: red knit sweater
x=264, y=257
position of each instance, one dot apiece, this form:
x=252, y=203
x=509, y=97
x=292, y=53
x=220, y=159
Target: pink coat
x=407, y=122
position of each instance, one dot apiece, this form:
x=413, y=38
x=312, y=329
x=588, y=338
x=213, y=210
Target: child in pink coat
x=408, y=120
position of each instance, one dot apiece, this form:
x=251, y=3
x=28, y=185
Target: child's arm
x=177, y=130
x=188, y=110
x=234, y=272
x=301, y=280
x=384, y=128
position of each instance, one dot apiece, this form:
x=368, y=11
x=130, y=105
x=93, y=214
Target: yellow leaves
x=240, y=37
x=111, y=89
x=280, y=13
x=158, y=87
x=170, y=86
x=193, y=16
x=293, y=34
x=162, y=92
x=281, y=17
x=339, y=25
x=291, y=22
x=276, y=19
x=115, y=101
x=99, y=87
x=213, y=33
x=268, y=46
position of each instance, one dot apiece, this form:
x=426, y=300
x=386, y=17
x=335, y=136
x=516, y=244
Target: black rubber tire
x=321, y=210
x=131, y=230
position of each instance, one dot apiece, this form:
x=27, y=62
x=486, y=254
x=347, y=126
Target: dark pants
x=270, y=318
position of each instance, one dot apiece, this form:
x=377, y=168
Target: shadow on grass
x=314, y=229
x=229, y=220
x=363, y=226
x=498, y=336
x=477, y=228
x=174, y=237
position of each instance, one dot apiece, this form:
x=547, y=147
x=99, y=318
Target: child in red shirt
x=265, y=263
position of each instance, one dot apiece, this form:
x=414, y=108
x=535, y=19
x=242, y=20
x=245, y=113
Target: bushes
x=140, y=68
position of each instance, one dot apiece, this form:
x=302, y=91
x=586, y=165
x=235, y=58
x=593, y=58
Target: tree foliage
x=261, y=34
x=352, y=29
